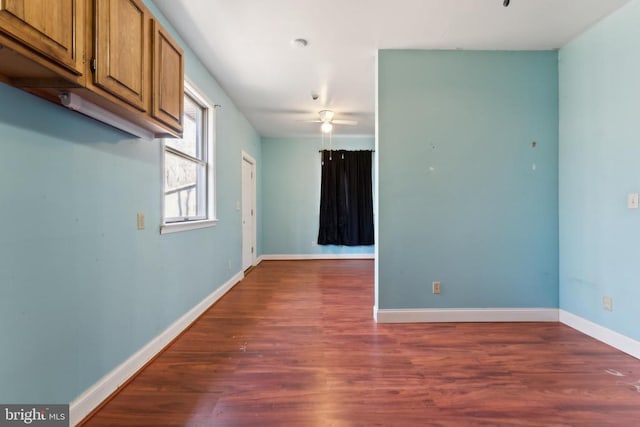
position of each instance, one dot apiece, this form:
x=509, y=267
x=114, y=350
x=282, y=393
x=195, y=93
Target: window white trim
x=175, y=227
x=210, y=140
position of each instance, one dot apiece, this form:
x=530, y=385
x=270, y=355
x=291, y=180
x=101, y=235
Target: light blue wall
x=599, y=166
x=80, y=288
x=459, y=201
x=291, y=186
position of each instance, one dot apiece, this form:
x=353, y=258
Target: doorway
x=248, y=211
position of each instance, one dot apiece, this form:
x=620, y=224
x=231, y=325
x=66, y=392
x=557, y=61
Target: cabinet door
x=53, y=28
x=121, y=50
x=168, y=79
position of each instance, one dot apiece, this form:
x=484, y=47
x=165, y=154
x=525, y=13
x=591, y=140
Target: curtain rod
x=371, y=151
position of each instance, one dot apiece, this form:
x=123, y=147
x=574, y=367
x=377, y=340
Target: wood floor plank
x=294, y=344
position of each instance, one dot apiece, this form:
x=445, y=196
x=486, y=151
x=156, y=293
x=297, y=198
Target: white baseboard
x=292, y=257
x=606, y=335
x=97, y=393
x=587, y=327
x=424, y=315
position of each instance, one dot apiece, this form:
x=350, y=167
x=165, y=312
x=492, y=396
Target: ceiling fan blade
x=310, y=121
x=345, y=122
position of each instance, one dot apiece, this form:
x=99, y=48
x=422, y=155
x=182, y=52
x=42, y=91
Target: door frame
x=246, y=157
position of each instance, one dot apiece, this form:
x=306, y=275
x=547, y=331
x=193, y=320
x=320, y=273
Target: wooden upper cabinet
x=168, y=79
x=121, y=50
x=52, y=28
x=110, y=53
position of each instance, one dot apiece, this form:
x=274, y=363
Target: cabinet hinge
x=94, y=64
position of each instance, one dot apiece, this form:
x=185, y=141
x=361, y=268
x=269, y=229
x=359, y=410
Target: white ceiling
x=246, y=44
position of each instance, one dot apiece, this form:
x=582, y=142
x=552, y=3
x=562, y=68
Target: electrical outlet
x=436, y=287
x=632, y=201
x=140, y=221
x=607, y=303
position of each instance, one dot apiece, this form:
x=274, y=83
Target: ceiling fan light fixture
x=326, y=127
x=326, y=115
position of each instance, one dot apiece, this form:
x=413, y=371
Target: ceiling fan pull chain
x=330, y=145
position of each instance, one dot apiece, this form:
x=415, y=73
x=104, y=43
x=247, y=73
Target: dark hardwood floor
x=294, y=344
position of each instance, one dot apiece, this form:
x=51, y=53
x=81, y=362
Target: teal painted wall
x=459, y=201
x=599, y=167
x=291, y=187
x=81, y=288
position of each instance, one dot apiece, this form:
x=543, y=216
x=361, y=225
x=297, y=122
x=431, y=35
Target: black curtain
x=346, y=199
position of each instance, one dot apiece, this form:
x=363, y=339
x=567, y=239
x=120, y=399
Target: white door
x=248, y=211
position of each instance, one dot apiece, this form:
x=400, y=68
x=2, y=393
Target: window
x=188, y=168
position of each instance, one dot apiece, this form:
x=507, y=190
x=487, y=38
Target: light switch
x=632, y=201
x=140, y=221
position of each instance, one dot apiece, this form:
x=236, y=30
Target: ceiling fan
x=326, y=117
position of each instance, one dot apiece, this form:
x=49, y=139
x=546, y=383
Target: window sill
x=177, y=227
